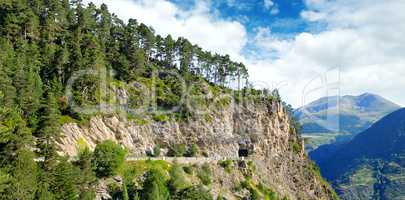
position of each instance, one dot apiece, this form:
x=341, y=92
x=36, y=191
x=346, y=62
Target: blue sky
x=282, y=17
x=305, y=48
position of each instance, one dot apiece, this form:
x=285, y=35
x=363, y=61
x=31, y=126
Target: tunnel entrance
x=243, y=153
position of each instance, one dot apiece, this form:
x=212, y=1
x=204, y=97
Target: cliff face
x=262, y=129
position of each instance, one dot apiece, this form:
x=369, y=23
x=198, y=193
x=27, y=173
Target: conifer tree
x=24, y=176
x=28, y=82
x=104, y=25
x=7, y=90
x=169, y=50
x=64, y=181
x=14, y=135
x=86, y=178
x=48, y=130
x=43, y=192
x=155, y=186
x=5, y=182
x=185, y=50
x=147, y=41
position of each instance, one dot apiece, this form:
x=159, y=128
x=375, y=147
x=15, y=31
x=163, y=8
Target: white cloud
x=312, y=15
x=197, y=24
x=274, y=10
x=239, y=5
x=365, y=40
x=268, y=4
x=266, y=41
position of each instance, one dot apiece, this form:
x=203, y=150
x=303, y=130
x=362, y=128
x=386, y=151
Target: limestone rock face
x=262, y=127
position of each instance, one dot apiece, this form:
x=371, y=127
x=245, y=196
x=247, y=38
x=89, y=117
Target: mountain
x=340, y=118
x=372, y=165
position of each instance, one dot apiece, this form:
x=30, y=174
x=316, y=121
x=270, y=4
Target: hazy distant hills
x=372, y=165
x=330, y=118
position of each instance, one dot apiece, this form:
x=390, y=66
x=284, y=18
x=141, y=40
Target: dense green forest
x=43, y=43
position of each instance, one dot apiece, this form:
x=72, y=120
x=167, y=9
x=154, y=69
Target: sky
x=306, y=49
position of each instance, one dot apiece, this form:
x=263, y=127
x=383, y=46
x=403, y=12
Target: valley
x=371, y=166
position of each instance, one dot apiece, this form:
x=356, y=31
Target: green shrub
x=223, y=101
x=220, y=197
x=192, y=150
x=197, y=192
x=124, y=192
x=64, y=119
x=138, y=119
x=107, y=157
x=254, y=192
x=296, y=147
x=177, y=150
x=260, y=191
x=188, y=169
x=5, y=180
x=227, y=165
x=251, y=165
x=154, y=187
x=178, y=180
x=208, y=118
x=160, y=117
x=204, y=174
x=267, y=192
x=156, y=151
x=117, y=192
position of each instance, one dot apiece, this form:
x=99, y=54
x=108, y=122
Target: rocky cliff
x=262, y=129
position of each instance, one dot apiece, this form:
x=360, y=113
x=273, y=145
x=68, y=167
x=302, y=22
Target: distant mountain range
x=340, y=118
x=372, y=165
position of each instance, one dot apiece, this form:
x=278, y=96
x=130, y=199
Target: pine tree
x=7, y=90
x=159, y=48
x=64, y=181
x=28, y=82
x=104, y=25
x=137, y=57
x=87, y=178
x=169, y=50
x=147, y=41
x=7, y=64
x=155, y=186
x=24, y=176
x=186, y=56
x=14, y=20
x=14, y=135
x=48, y=130
x=43, y=192
x=5, y=182
x=107, y=157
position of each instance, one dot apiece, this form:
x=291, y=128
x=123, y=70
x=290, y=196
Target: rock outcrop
x=263, y=129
